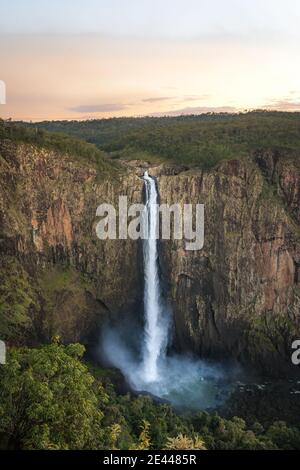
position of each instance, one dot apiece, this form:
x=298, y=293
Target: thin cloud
x=98, y=108
x=158, y=98
x=283, y=105
x=196, y=97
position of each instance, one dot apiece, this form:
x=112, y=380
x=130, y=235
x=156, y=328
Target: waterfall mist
x=141, y=355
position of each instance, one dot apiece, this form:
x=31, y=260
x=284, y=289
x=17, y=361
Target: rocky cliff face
x=237, y=297
x=48, y=217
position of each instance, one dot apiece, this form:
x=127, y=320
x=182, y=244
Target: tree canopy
x=201, y=140
x=52, y=399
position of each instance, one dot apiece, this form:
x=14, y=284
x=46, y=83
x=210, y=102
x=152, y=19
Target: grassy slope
x=81, y=150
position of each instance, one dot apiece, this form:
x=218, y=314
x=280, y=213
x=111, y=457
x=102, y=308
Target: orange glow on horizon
x=93, y=76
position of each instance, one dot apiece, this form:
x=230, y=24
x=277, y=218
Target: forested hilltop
x=66, y=144
x=200, y=140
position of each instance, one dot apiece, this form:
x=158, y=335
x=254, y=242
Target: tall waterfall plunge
x=183, y=380
x=156, y=327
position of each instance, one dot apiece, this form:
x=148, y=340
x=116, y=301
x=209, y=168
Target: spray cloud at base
x=183, y=380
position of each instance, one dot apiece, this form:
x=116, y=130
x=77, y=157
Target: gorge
x=230, y=299
x=230, y=310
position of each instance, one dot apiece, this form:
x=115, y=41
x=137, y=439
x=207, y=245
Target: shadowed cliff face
x=237, y=297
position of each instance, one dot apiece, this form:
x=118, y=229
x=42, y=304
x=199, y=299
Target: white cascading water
x=156, y=331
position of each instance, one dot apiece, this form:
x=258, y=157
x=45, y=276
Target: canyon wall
x=237, y=297
x=48, y=205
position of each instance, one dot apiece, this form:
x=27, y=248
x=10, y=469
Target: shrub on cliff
x=18, y=301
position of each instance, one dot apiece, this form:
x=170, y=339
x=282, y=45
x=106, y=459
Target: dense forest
x=52, y=399
x=200, y=140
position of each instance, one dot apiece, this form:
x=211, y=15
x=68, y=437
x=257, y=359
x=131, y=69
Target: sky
x=75, y=59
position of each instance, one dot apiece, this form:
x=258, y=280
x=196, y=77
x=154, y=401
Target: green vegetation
x=182, y=442
x=59, y=142
x=67, y=297
x=200, y=140
x=195, y=140
x=18, y=300
x=50, y=399
x=54, y=301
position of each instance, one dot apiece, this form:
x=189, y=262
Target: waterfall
x=156, y=329
x=183, y=380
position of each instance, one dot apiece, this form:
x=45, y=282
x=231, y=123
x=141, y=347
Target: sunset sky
x=79, y=59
